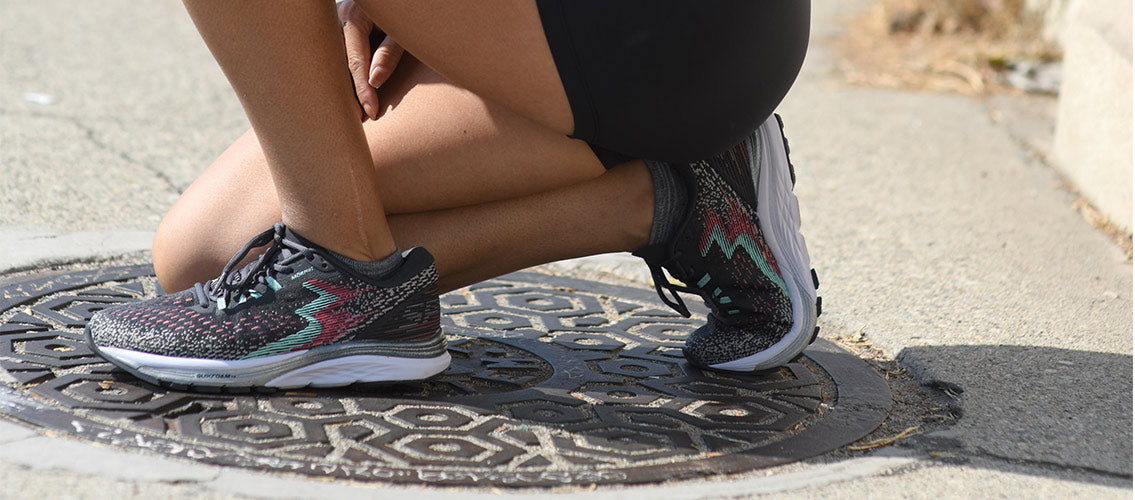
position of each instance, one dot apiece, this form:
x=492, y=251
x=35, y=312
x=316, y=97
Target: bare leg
x=287, y=66
x=438, y=147
x=497, y=51
x=609, y=214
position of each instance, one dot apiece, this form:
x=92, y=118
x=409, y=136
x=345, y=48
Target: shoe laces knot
x=234, y=285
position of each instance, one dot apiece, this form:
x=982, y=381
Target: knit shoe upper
x=295, y=297
x=721, y=254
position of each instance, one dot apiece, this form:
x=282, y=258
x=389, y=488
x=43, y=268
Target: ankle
x=364, y=244
x=635, y=205
x=377, y=268
x=670, y=200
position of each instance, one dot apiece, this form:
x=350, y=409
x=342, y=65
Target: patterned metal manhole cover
x=554, y=381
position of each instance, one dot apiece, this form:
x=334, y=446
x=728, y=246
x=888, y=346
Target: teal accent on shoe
x=703, y=280
x=734, y=311
x=717, y=235
x=716, y=292
x=725, y=300
x=311, y=331
x=275, y=285
x=249, y=296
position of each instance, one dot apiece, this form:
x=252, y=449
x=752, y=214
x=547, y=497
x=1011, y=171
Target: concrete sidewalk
x=941, y=236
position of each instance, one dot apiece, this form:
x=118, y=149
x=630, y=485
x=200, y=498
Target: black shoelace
x=657, y=256
x=660, y=282
x=234, y=283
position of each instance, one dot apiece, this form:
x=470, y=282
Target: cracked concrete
x=943, y=236
x=137, y=75
x=91, y=130
x=82, y=186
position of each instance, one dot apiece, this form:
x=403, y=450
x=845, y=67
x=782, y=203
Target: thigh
x=435, y=146
x=497, y=49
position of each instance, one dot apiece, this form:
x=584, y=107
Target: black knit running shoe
x=295, y=317
x=741, y=250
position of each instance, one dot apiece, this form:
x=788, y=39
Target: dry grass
x=915, y=409
x=889, y=440
x=1118, y=234
x=942, y=45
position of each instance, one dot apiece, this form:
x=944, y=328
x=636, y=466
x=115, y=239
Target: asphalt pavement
x=942, y=235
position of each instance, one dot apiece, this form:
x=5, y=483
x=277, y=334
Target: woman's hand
x=368, y=71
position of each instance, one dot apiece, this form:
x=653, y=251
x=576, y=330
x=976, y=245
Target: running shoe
x=295, y=317
x=740, y=249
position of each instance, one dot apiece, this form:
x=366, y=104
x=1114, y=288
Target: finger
x=355, y=37
x=385, y=59
x=342, y=9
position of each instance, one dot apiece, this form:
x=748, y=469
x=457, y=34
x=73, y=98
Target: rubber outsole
x=337, y=365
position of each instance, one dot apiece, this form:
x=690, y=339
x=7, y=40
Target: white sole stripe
x=779, y=217
x=330, y=366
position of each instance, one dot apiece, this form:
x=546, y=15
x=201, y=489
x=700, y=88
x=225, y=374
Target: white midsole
x=281, y=370
x=138, y=359
x=779, y=214
x=361, y=368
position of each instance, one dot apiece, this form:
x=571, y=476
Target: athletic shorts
x=673, y=80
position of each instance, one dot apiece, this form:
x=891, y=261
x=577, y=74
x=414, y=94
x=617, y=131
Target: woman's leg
x=498, y=50
x=287, y=67
x=463, y=176
x=611, y=213
x=286, y=63
x=300, y=315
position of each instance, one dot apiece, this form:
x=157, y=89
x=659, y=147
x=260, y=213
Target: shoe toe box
x=140, y=326
x=717, y=342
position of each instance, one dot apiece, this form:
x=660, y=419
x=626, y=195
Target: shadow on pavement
x=1056, y=409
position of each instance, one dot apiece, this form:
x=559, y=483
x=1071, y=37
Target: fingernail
x=373, y=76
x=369, y=110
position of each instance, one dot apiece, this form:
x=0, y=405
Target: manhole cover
x=554, y=381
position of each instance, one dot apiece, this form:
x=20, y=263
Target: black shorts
x=673, y=80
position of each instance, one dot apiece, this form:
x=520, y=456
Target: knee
x=179, y=261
